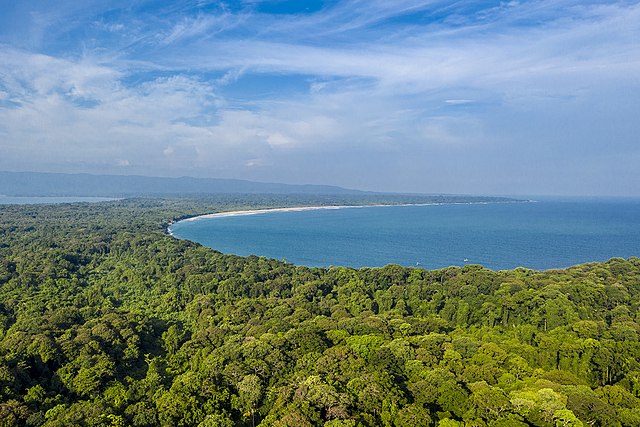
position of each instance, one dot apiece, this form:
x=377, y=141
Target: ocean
x=541, y=235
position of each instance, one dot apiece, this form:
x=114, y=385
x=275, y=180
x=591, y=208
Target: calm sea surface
x=540, y=235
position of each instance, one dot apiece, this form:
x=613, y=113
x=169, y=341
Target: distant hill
x=61, y=184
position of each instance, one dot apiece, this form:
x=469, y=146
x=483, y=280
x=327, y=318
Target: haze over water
x=541, y=235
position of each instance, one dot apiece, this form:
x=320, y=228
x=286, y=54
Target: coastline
x=247, y=212
x=497, y=251
x=268, y=210
x=323, y=207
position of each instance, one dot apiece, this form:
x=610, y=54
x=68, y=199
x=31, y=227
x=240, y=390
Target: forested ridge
x=105, y=320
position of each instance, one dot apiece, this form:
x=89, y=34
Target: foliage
x=105, y=320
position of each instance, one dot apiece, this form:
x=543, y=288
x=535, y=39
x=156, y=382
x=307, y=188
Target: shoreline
x=562, y=264
x=327, y=207
x=310, y=208
x=268, y=210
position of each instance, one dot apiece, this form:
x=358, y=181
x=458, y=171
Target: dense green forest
x=105, y=320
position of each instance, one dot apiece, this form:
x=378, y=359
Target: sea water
x=540, y=235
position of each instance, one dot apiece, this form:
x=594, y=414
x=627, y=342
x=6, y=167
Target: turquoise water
x=540, y=235
x=11, y=200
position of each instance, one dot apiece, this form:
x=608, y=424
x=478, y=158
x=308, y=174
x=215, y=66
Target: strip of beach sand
x=313, y=208
x=262, y=211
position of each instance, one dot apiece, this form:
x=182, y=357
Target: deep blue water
x=14, y=200
x=541, y=235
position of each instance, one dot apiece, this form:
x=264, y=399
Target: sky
x=426, y=96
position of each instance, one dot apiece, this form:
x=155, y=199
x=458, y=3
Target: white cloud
x=573, y=52
x=277, y=140
x=133, y=125
x=200, y=26
x=401, y=94
x=458, y=101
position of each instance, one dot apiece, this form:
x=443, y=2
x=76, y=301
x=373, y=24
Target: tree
x=250, y=393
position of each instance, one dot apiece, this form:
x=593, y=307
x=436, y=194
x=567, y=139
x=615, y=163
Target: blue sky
x=476, y=97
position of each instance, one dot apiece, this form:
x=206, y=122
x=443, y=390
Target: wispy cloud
x=202, y=26
x=423, y=87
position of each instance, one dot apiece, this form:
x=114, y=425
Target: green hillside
x=105, y=320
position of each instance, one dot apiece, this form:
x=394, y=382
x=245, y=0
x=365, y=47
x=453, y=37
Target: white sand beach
x=262, y=211
x=312, y=208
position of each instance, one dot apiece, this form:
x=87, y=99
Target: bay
x=540, y=235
